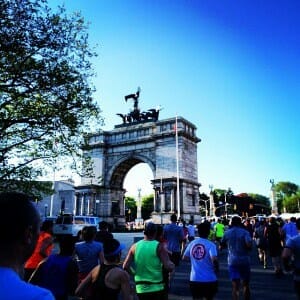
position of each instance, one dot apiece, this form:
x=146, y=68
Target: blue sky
x=229, y=67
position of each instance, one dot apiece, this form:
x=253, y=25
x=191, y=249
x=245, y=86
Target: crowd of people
x=92, y=269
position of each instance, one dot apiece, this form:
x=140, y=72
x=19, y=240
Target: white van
x=70, y=224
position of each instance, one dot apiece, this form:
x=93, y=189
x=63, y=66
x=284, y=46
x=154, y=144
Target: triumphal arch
x=169, y=150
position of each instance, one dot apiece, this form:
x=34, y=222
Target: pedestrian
x=108, y=280
x=88, y=253
x=239, y=243
x=289, y=229
x=191, y=231
x=185, y=237
x=219, y=230
x=103, y=232
x=204, y=264
x=274, y=236
x=42, y=250
x=248, y=225
x=166, y=274
x=261, y=242
x=58, y=272
x=148, y=257
x=291, y=258
x=18, y=241
x=174, y=236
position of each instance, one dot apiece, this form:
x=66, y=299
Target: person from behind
x=204, y=264
x=248, y=226
x=108, y=280
x=18, y=241
x=42, y=250
x=88, y=253
x=274, y=237
x=185, y=237
x=59, y=272
x=174, y=236
x=219, y=230
x=166, y=274
x=261, y=242
x=103, y=232
x=291, y=258
x=148, y=256
x=191, y=231
x=289, y=229
x=239, y=243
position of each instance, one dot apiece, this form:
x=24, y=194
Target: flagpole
x=52, y=196
x=177, y=169
x=54, y=146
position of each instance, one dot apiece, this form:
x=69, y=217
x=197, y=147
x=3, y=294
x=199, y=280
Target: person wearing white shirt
x=204, y=264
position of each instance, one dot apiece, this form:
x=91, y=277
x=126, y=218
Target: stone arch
x=115, y=152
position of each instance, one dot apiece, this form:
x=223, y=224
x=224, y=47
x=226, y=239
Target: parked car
x=70, y=224
x=50, y=218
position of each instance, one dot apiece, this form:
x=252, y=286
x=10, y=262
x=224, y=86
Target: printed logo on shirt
x=198, y=252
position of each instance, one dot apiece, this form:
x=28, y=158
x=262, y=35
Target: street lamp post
x=226, y=204
x=211, y=201
x=226, y=214
x=46, y=210
x=97, y=207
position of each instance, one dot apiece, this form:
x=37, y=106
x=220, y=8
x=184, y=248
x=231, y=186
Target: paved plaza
x=264, y=285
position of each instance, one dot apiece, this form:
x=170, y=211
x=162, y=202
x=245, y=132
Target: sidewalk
x=264, y=284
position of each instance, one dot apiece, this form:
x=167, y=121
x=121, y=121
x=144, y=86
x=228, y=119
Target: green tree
x=292, y=203
x=147, y=206
x=46, y=104
x=284, y=192
x=130, y=209
x=261, y=203
x=286, y=188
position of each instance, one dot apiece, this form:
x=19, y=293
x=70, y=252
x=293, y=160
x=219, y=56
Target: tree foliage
x=130, y=208
x=46, y=104
x=260, y=200
x=147, y=206
x=286, y=193
x=292, y=203
x=286, y=188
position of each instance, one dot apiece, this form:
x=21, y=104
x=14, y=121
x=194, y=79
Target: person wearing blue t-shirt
x=289, y=229
x=174, y=237
x=239, y=243
x=88, y=253
x=18, y=240
x=291, y=257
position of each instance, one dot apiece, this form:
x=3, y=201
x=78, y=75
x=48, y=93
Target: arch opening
x=138, y=177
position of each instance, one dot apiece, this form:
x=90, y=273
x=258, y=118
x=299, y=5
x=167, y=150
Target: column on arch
x=155, y=198
x=82, y=204
x=162, y=201
x=172, y=196
x=76, y=210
